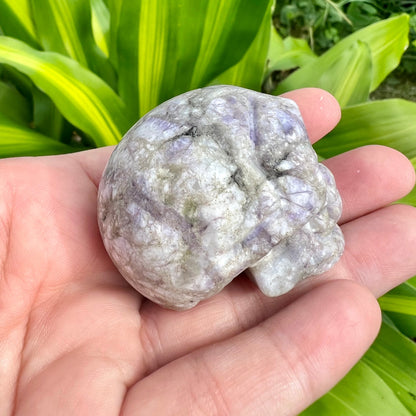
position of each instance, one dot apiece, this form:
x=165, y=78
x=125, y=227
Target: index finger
x=320, y=110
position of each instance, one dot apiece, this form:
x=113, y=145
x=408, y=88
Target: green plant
x=351, y=70
x=90, y=93
x=322, y=23
x=78, y=75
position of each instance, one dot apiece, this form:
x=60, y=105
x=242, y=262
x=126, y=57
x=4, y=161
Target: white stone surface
x=214, y=182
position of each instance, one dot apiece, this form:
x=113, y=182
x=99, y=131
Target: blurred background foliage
x=76, y=74
x=323, y=23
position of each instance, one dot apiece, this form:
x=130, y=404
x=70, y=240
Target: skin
x=76, y=339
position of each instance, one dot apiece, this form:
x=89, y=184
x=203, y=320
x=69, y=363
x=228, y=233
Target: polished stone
x=214, y=182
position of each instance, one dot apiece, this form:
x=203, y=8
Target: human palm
x=75, y=339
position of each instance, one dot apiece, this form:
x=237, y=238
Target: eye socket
x=193, y=131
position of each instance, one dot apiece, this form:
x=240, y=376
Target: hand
x=75, y=339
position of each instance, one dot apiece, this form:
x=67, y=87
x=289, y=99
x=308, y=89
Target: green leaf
x=248, y=72
x=82, y=97
x=363, y=14
x=393, y=356
x=20, y=81
x=362, y=392
x=405, y=322
x=13, y=105
x=386, y=122
x=229, y=29
x=16, y=20
x=398, y=303
x=412, y=282
x=101, y=25
x=65, y=26
x=410, y=198
x=114, y=8
x=346, y=75
x=288, y=53
x=47, y=119
x=16, y=140
x=387, y=40
x=166, y=47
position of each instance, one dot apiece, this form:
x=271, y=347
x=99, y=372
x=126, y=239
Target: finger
x=379, y=254
x=380, y=249
x=384, y=176
x=93, y=162
x=319, y=109
x=278, y=367
x=369, y=178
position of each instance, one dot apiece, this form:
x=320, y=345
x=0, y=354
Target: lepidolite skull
x=214, y=182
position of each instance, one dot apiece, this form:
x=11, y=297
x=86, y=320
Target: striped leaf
x=16, y=140
x=82, y=97
x=114, y=7
x=361, y=393
x=346, y=75
x=387, y=40
x=101, y=25
x=249, y=71
x=386, y=122
x=229, y=29
x=392, y=357
x=405, y=322
x=166, y=47
x=16, y=20
x=399, y=304
x=65, y=26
